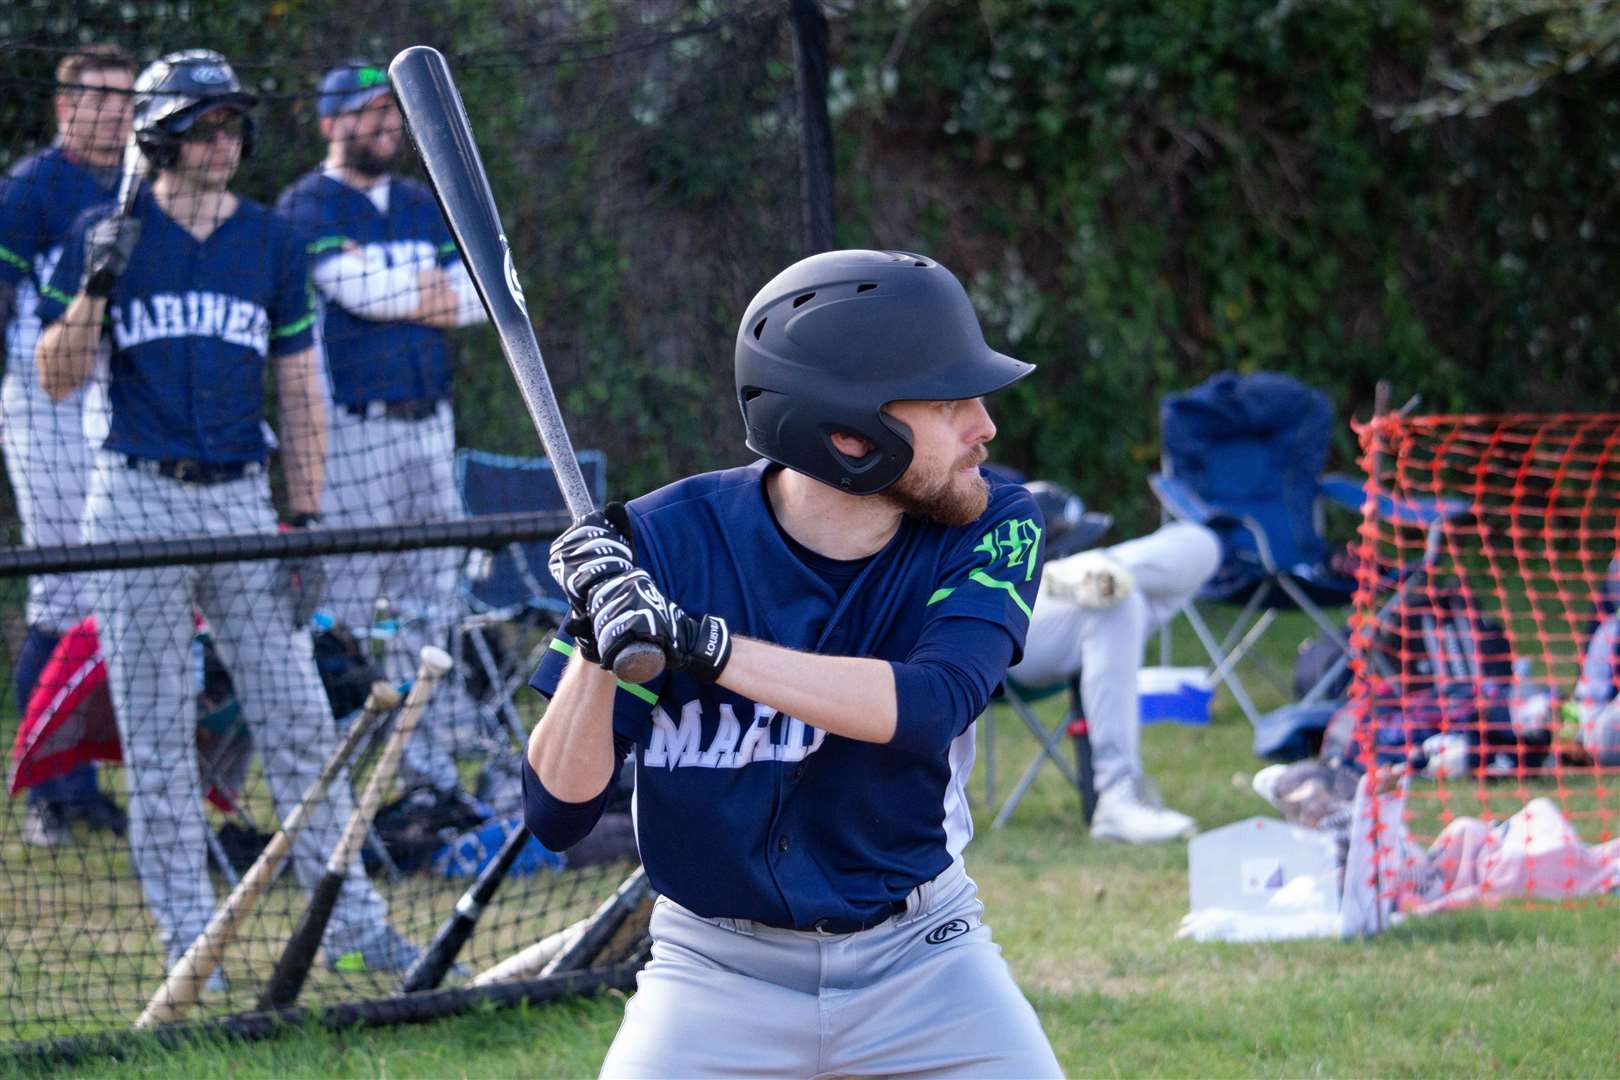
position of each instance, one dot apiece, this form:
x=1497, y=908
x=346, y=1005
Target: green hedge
x=1138, y=194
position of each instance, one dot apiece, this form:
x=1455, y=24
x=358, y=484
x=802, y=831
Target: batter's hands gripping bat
x=185, y=980
x=299, y=953
x=429, y=969
x=110, y=242
x=438, y=124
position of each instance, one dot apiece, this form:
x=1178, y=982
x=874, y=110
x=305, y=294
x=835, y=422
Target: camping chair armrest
x=1348, y=491
x=1184, y=504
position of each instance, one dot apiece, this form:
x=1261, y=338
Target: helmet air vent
x=803, y=298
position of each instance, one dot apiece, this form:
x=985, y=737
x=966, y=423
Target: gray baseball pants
x=925, y=993
x=146, y=626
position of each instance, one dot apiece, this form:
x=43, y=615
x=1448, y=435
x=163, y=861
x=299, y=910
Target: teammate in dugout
x=390, y=282
x=801, y=768
x=47, y=453
x=195, y=291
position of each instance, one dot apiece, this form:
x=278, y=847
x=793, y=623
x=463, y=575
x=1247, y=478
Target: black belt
x=190, y=471
x=855, y=926
x=420, y=409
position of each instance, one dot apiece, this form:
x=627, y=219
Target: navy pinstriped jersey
x=742, y=812
x=372, y=360
x=40, y=198
x=192, y=324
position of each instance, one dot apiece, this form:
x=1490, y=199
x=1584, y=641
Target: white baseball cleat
x=1091, y=579
x=1126, y=813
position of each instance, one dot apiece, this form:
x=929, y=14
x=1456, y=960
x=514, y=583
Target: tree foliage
x=1138, y=194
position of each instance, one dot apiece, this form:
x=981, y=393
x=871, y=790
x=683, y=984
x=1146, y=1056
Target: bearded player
x=390, y=283
x=834, y=617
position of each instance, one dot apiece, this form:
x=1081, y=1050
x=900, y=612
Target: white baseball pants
x=382, y=471
x=48, y=462
x=146, y=625
x=1105, y=644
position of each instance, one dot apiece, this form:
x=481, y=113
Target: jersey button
x=798, y=772
x=782, y=843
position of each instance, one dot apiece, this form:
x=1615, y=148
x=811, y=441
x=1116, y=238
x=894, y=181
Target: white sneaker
x=1091, y=579
x=1126, y=813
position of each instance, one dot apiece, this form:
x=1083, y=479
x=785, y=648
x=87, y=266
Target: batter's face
x=211, y=149
x=93, y=117
x=367, y=140
x=948, y=438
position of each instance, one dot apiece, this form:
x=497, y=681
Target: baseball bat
x=184, y=981
x=438, y=124
x=430, y=968
x=129, y=180
x=292, y=968
x=604, y=923
x=530, y=961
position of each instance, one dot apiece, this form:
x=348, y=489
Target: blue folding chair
x=1243, y=455
x=512, y=584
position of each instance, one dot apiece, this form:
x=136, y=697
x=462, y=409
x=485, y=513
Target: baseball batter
x=390, y=283
x=854, y=600
x=47, y=454
x=197, y=291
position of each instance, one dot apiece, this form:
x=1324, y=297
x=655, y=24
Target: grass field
x=1088, y=931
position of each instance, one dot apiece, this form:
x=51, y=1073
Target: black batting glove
x=579, y=628
x=630, y=609
x=590, y=552
x=107, y=248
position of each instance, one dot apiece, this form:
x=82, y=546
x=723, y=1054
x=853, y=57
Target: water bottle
x=383, y=628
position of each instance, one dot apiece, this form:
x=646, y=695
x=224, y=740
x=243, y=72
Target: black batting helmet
x=172, y=92
x=835, y=337
x=1070, y=527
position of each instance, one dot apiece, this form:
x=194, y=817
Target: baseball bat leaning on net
x=609, y=924
x=299, y=953
x=443, y=135
x=186, y=978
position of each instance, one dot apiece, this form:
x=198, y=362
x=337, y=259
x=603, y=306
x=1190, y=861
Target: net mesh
x=287, y=329
x=1484, y=642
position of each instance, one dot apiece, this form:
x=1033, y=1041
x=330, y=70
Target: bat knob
x=436, y=660
x=639, y=663
x=383, y=696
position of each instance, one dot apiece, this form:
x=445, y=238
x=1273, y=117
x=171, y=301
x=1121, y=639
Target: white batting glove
x=1090, y=579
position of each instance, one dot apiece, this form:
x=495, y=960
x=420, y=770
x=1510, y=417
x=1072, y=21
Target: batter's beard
x=367, y=162
x=951, y=502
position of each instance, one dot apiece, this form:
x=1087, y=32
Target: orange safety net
x=1487, y=584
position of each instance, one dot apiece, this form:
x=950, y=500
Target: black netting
x=275, y=331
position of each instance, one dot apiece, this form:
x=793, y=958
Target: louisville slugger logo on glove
x=630, y=609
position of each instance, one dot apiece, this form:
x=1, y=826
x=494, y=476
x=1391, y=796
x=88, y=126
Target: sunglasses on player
x=207, y=128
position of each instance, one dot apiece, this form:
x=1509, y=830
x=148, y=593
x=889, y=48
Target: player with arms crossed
x=390, y=283
x=47, y=454
x=196, y=291
x=801, y=767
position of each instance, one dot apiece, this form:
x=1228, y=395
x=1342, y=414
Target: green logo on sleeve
x=1015, y=542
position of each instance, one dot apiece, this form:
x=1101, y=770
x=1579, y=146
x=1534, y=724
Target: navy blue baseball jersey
x=742, y=812
x=40, y=198
x=372, y=360
x=192, y=324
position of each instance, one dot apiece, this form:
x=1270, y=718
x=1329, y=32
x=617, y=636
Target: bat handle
x=639, y=663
